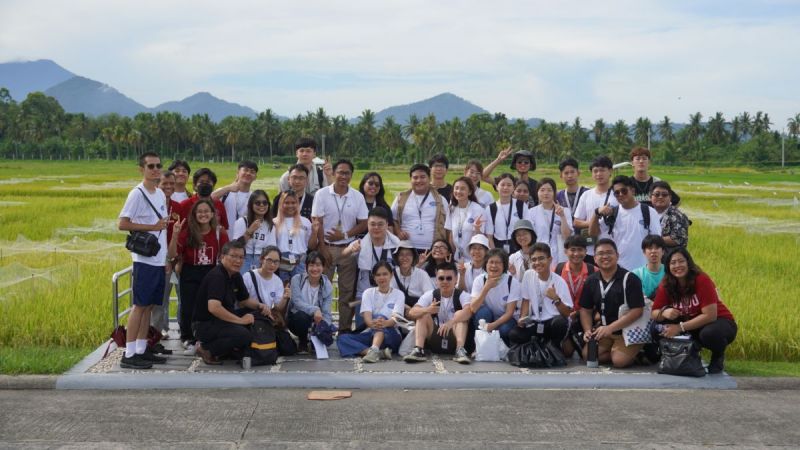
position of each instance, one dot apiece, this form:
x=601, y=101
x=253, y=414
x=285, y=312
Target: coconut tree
x=665, y=130
x=715, y=131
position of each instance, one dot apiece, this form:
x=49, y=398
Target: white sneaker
x=185, y=344
x=191, y=350
x=373, y=355
x=387, y=353
x=461, y=356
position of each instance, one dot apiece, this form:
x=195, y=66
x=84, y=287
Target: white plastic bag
x=408, y=344
x=489, y=346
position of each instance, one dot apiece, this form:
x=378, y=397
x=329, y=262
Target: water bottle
x=247, y=363
x=591, y=354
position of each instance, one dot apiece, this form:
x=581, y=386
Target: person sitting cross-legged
x=442, y=319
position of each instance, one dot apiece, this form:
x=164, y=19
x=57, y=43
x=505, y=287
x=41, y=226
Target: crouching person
x=220, y=331
x=495, y=295
x=378, y=307
x=546, y=301
x=312, y=296
x=442, y=319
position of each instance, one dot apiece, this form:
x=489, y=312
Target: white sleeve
x=248, y=283
x=317, y=208
x=526, y=288
x=238, y=228
x=448, y=221
x=425, y=300
x=465, y=298
x=425, y=282
x=655, y=224
x=580, y=208
x=399, y=303
x=283, y=183
x=363, y=211
x=131, y=206
x=395, y=208
x=477, y=286
x=514, y=293
x=562, y=290
x=489, y=220
x=366, y=300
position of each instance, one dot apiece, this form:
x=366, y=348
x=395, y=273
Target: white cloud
x=590, y=59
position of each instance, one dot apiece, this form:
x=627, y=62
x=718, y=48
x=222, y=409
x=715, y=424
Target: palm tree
x=715, y=132
x=736, y=129
x=665, y=130
x=793, y=126
x=268, y=128
x=642, y=130
x=620, y=133
x=746, y=122
x=598, y=130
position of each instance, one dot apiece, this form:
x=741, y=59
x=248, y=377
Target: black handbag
x=680, y=357
x=538, y=353
x=144, y=243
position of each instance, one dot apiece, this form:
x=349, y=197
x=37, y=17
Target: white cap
x=479, y=239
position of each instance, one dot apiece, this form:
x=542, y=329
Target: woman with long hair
x=371, y=187
x=407, y=277
x=503, y=214
x=551, y=222
x=294, y=234
x=312, y=296
x=465, y=219
x=439, y=253
x=687, y=301
x=198, y=246
x=255, y=229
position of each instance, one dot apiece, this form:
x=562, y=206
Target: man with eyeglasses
x=342, y=214
x=220, y=331
x=627, y=224
x=318, y=177
x=235, y=195
x=605, y=291
x=593, y=200
x=442, y=320
x=439, y=166
x=298, y=180
x=674, y=223
x=642, y=180
x=145, y=210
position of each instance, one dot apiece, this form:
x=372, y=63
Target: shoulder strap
x=520, y=205
x=509, y=283
x=255, y=285
x=493, y=212
x=611, y=219
x=224, y=197
x=320, y=176
x=149, y=203
x=624, y=288
x=457, y=299
x=645, y=216
x=560, y=267
x=399, y=284
x=437, y=295
x=590, y=268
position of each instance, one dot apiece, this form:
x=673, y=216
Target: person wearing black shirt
x=605, y=291
x=439, y=166
x=218, y=328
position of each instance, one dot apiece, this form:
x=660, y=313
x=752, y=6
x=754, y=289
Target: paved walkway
x=304, y=371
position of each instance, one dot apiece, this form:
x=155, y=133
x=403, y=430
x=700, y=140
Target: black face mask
x=204, y=190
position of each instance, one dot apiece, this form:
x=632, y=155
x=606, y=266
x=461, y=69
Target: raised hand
x=422, y=258
x=254, y=226
x=176, y=229
x=551, y=293
x=477, y=227
x=559, y=211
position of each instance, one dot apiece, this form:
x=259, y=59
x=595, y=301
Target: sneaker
x=373, y=355
x=717, y=364
x=135, y=362
x=206, y=356
x=159, y=349
x=185, y=344
x=416, y=355
x=151, y=357
x=191, y=350
x=387, y=353
x=302, y=348
x=461, y=356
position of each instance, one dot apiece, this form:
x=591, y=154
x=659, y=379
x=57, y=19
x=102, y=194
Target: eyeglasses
x=539, y=259
x=261, y=203
x=604, y=254
x=447, y=278
x=623, y=191
x=439, y=247
x=153, y=166
x=660, y=194
x=272, y=261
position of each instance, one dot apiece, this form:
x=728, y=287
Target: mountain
x=205, y=103
x=79, y=94
x=22, y=78
x=444, y=106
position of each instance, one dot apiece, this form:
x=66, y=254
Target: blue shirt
x=650, y=280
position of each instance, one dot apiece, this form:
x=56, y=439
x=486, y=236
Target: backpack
x=493, y=211
x=611, y=219
x=437, y=295
x=264, y=347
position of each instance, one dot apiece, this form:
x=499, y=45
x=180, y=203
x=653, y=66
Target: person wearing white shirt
x=524, y=237
x=495, y=295
x=265, y=285
x=379, y=306
x=592, y=200
x=469, y=271
x=420, y=213
x=294, y=235
x=465, y=219
x=378, y=245
x=552, y=222
x=627, y=224
x=145, y=211
x=442, y=320
x=409, y=278
x=546, y=301
x=255, y=228
x=474, y=171
x=503, y=214
x=342, y=213
x=235, y=195
x=306, y=150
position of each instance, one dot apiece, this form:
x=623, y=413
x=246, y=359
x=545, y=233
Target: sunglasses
x=660, y=194
x=261, y=203
x=447, y=278
x=153, y=166
x=623, y=191
x=373, y=183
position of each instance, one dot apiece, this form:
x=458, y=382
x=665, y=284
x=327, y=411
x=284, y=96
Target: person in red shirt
x=688, y=302
x=198, y=246
x=575, y=272
x=204, y=181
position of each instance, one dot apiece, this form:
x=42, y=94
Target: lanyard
x=463, y=218
x=540, y=303
x=573, y=289
x=421, y=204
x=291, y=236
x=340, y=210
x=508, y=220
x=603, y=293
x=376, y=258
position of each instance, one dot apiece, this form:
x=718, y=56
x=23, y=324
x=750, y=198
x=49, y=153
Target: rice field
x=59, y=247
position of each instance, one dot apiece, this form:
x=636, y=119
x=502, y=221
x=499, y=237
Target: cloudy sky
x=609, y=59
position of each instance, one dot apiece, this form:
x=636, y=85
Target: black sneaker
x=717, y=364
x=135, y=362
x=159, y=349
x=150, y=357
x=416, y=355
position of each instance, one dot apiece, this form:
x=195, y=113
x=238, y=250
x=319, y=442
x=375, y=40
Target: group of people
x=537, y=261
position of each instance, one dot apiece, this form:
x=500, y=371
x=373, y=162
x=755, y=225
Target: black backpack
x=493, y=210
x=264, y=347
x=437, y=295
x=611, y=219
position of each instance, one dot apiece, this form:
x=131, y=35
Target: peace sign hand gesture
x=176, y=229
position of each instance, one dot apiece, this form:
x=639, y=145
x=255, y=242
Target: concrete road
x=399, y=419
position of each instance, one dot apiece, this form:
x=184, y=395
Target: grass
x=745, y=368
x=59, y=247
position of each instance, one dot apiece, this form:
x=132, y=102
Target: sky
x=552, y=60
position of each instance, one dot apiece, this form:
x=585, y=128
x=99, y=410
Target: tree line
x=39, y=128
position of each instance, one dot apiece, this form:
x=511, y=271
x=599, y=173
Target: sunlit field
x=59, y=247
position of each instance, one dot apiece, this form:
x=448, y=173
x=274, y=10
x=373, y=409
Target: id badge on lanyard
x=603, y=293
